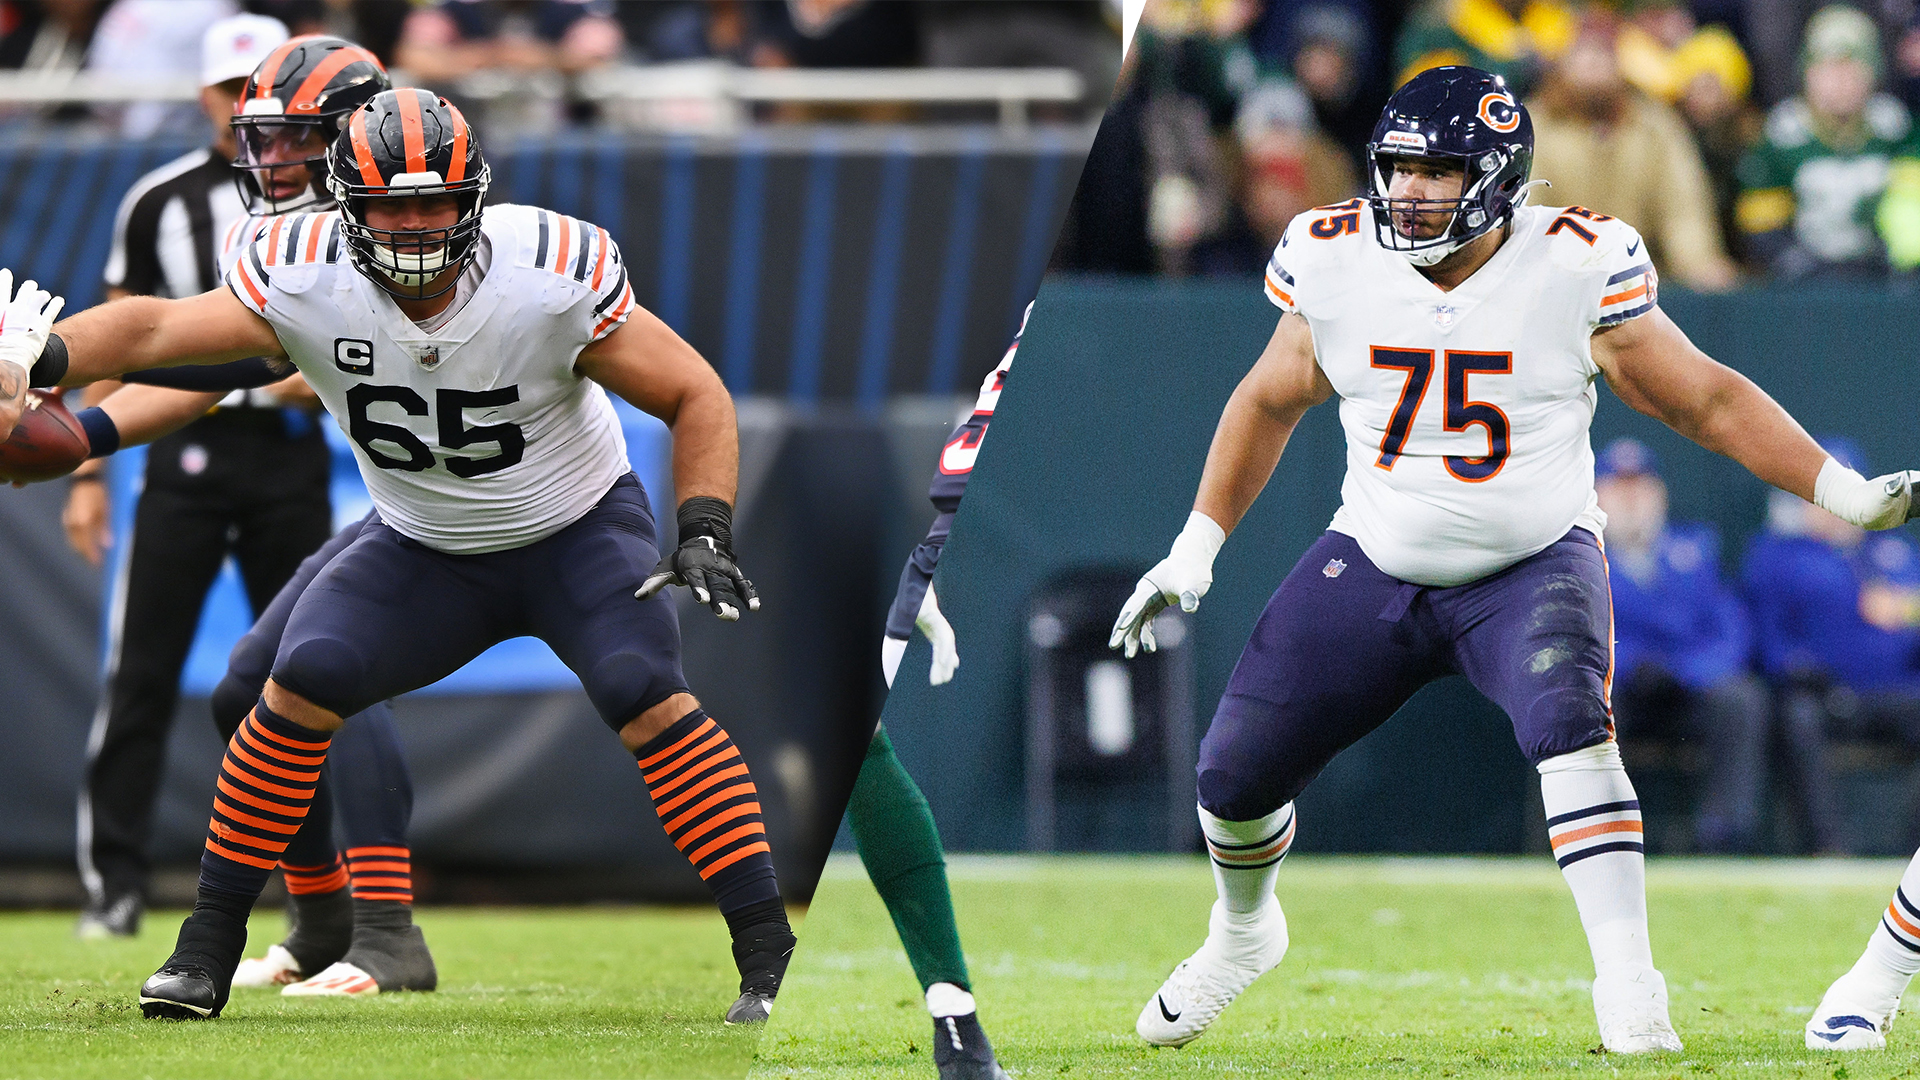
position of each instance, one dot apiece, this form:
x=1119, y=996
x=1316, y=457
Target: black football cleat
x=961, y=1050
x=761, y=953
x=182, y=991
x=118, y=917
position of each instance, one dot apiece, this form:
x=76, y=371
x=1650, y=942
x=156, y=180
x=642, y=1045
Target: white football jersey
x=478, y=436
x=1466, y=412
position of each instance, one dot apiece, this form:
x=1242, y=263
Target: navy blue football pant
x=389, y=614
x=1341, y=646
x=366, y=773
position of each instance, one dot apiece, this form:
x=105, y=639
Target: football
x=47, y=444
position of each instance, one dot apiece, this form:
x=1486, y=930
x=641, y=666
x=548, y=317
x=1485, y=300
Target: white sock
x=1246, y=856
x=1893, y=951
x=945, y=999
x=892, y=649
x=1593, y=822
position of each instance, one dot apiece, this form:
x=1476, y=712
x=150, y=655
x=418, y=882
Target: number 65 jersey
x=477, y=436
x=1466, y=412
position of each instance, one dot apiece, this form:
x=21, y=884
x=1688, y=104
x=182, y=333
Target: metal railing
x=700, y=95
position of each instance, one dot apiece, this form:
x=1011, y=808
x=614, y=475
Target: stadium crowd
x=1745, y=140
x=526, y=57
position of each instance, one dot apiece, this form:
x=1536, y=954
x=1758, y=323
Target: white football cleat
x=1632, y=1013
x=277, y=968
x=1238, y=950
x=340, y=980
x=1843, y=1022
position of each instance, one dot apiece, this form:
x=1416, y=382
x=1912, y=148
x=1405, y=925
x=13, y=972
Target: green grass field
x=581, y=992
x=1399, y=967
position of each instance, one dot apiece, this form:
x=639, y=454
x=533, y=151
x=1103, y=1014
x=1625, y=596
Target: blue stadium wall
x=1096, y=451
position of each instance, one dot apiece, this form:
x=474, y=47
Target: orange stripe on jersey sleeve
x=1279, y=292
x=566, y=236
x=1624, y=296
x=245, y=275
x=318, y=226
x=600, y=264
x=619, y=312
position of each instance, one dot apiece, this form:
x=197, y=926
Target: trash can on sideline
x=1110, y=741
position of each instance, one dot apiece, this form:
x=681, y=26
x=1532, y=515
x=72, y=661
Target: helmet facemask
x=1484, y=204
x=268, y=145
x=408, y=262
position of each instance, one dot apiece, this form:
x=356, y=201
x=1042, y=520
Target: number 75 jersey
x=477, y=436
x=1466, y=411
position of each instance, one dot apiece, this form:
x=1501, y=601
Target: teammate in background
x=1468, y=539
x=250, y=481
x=464, y=349
x=892, y=824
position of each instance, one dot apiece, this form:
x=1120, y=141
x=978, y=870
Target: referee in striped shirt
x=248, y=480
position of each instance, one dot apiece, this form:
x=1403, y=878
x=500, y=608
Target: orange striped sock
x=381, y=873
x=327, y=877
x=261, y=796
x=707, y=803
x=1246, y=856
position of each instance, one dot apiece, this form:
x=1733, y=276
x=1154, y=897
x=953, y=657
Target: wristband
x=1200, y=539
x=704, y=515
x=52, y=365
x=103, y=435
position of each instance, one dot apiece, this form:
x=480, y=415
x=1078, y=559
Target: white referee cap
x=234, y=46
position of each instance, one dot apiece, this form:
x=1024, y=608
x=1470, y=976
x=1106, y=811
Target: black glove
x=704, y=561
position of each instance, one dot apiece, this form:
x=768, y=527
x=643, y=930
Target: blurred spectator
x=1514, y=39
x=1836, y=615
x=157, y=39
x=1075, y=34
x=669, y=30
x=832, y=34
x=1286, y=166
x=1606, y=146
x=1681, y=644
x=1329, y=54
x=298, y=16
x=48, y=35
x=447, y=41
x=1105, y=230
x=1833, y=189
x=1703, y=72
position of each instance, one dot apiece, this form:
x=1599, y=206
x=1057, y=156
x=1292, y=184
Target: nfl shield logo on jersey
x=1333, y=568
x=1443, y=315
x=427, y=355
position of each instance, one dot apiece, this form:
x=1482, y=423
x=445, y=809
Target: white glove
x=27, y=320
x=1879, y=503
x=940, y=633
x=1184, y=576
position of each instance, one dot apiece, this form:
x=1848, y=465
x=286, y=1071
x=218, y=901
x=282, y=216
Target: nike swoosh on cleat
x=1174, y=1017
x=1843, y=1022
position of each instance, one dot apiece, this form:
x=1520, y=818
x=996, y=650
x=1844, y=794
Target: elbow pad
x=249, y=374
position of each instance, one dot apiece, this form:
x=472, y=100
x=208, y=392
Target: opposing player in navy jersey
x=891, y=821
x=464, y=349
x=1464, y=332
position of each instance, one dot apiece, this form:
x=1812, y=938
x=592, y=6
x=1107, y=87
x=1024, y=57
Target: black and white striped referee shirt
x=166, y=236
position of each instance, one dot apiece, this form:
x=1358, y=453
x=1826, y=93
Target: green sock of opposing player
x=900, y=846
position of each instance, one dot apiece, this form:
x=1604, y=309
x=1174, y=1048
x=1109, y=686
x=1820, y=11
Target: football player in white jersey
x=464, y=350
x=1463, y=331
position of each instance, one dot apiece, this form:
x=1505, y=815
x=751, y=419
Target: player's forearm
x=1246, y=448
x=135, y=334
x=145, y=413
x=13, y=396
x=706, y=446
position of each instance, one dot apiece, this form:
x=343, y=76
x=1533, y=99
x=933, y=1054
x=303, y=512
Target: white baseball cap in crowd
x=234, y=46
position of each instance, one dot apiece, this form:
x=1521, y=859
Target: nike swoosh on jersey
x=1633, y=247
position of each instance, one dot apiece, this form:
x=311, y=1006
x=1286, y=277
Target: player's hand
x=946, y=657
x=86, y=520
x=27, y=320
x=1880, y=503
x=704, y=561
x=1183, y=577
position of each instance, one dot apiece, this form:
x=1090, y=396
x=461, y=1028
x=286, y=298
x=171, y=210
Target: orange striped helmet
x=291, y=109
x=409, y=143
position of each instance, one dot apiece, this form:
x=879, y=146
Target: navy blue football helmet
x=1466, y=117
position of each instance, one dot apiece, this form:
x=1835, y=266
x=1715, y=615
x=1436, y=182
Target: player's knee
x=326, y=672
x=1233, y=796
x=625, y=684
x=1562, y=721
